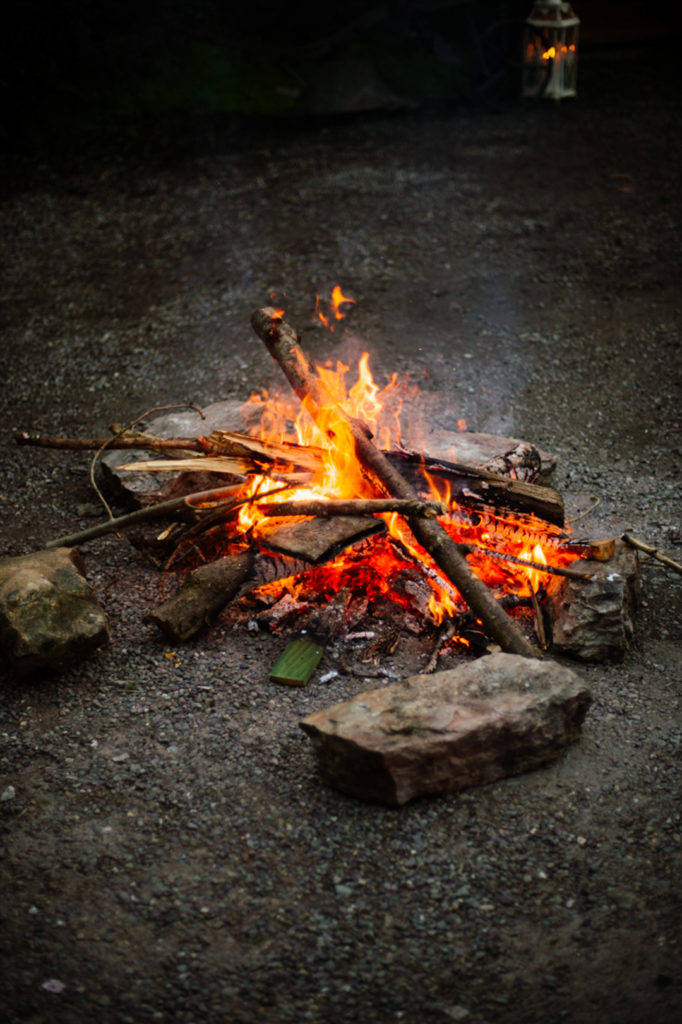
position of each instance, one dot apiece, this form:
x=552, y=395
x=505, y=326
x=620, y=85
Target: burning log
x=479, y=487
x=354, y=507
x=282, y=342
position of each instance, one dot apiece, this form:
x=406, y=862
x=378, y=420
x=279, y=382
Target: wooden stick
x=551, y=570
x=282, y=342
x=145, y=442
x=653, y=552
x=353, y=507
x=190, y=502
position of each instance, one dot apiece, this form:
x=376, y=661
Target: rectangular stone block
x=498, y=716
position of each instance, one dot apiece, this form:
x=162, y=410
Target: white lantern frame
x=550, y=51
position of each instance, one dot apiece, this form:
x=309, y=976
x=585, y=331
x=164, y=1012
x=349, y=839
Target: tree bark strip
x=282, y=342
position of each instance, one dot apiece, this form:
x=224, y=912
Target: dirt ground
x=168, y=850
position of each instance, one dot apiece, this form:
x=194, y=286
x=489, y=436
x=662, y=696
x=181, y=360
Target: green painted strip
x=296, y=664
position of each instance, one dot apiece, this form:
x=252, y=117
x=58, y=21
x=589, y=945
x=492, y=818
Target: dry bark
x=282, y=342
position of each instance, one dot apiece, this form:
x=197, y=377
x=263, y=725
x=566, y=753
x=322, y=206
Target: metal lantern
x=550, y=58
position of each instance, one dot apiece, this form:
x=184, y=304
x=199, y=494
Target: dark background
x=76, y=75
x=169, y=853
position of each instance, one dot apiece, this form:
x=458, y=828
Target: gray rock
x=497, y=716
x=594, y=620
x=134, y=489
x=489, y=451
x=49, y=617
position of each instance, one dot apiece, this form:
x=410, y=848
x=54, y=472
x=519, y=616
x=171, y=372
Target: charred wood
x=353, y=507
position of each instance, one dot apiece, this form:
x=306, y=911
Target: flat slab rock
x=49, y=617
x=498, y=716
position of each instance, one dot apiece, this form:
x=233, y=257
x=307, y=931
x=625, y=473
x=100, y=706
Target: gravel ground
x=168, y=851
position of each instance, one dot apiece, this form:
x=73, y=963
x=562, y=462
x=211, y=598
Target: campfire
x=328, y=519
x=328, y=522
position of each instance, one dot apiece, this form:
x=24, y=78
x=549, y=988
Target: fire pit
x=326, y=512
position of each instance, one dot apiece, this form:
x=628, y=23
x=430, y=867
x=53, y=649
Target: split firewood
x=203, y=595
x=211, y=464
x=230, y=442
x=282, y=342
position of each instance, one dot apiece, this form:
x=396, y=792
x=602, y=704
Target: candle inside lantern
x=550, y=63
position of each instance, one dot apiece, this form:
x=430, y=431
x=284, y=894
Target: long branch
x=353, y=507
x=282, y=342
x=189, y=503
x=652, y=552
x=81, y=444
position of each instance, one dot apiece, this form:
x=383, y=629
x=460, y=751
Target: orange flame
x=338, y=298
x=335, y=312
x=340, y=475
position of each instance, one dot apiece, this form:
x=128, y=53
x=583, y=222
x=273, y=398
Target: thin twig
x=143, y=442
x=118, y=433
x=586, y=512
x=551, y=570
x=445, y=634
x=652, y=552
x=191, y=502
x=539, y=623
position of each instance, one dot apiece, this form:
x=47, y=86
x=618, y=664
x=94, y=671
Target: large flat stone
x=49, y=617
x=498, y=716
